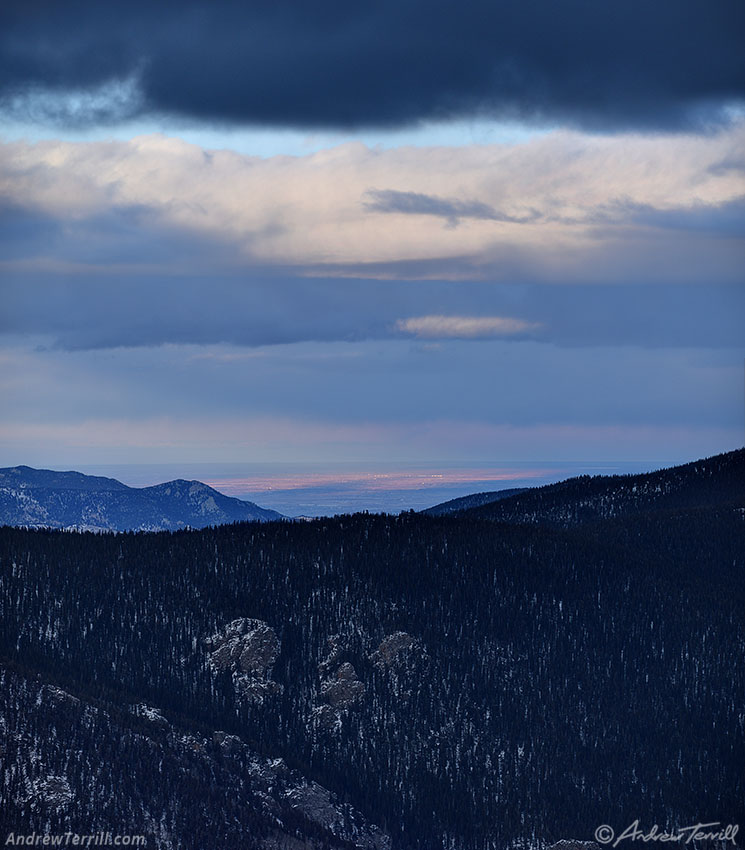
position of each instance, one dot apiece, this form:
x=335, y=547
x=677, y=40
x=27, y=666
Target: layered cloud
x=339, y=401
x=566, y=238
x=564, y=207
x=617, y=64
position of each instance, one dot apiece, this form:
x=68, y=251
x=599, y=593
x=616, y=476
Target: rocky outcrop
x=50, y=792
x=396, y=651
x=403, y=661
x=336, y=647
x=57, y=695
x=344, y=689
x=393, y=650
x=340, y=688
x=150, y=713
x=321, y=808
x=248, y=649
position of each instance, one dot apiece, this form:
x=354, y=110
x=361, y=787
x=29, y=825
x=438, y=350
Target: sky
x=392, y=235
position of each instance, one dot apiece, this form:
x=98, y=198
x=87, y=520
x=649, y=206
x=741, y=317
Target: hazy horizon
x=308, y=489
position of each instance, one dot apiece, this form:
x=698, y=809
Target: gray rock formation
x=248, y=649
x=395, y=650
x=344, y=689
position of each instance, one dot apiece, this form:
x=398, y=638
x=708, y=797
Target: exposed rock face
x=150, y=713
x=403, y=661
x=57, y=695
x=229, y=744
x=248, y=649
x=340, y=689
x=51, y=792
x=320, y=807
x=335, y=646
x=344, y=689
x=249, y=646
x=400, y=654
x=394, y=650
x=327, y=719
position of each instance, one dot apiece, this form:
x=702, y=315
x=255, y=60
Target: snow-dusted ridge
x=42, y=498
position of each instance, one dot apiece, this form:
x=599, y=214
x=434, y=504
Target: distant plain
x=324, y=490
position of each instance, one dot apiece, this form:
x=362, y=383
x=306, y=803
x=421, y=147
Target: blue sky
x=429, y=247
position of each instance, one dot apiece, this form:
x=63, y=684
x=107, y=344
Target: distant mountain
x=475, y=500
x=42, y=498
x=712, y=482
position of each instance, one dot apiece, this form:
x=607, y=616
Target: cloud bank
x=577, y=240
x=617, y=64
x=564, y=207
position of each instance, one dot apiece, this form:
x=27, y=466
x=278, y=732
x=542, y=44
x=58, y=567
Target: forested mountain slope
x=41, y=498
x=87, y=767
x=460, y=682
x=472, y=501
x=718, y=480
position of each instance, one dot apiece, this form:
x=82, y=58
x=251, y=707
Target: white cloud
x=464, y=327
x=108, y=103
x=309, y=211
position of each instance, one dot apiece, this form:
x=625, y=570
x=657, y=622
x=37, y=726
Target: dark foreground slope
x=718, y=480
x=89, y=767
x=459, y=682
x=473, y=500
x=41, y=498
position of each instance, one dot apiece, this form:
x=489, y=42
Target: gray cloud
x=730, y=165
x=264, y=307
x=725, y=219
x=416, y=203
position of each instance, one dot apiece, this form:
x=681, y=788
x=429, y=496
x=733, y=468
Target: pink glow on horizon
x=372, y=481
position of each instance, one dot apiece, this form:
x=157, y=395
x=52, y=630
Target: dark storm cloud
x=415, y=203
x=607, y=65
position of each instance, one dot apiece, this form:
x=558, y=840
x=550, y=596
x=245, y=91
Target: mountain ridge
x=718, y=480
x=42, y=498
x=472, y=500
